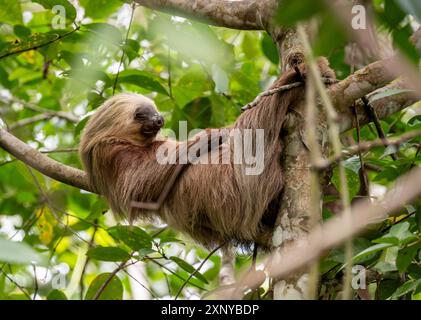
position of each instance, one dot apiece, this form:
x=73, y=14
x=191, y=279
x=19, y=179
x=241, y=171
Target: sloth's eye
x=139, y=116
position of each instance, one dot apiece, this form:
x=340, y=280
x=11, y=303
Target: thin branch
x=125, y=44
x=336, y=231
x=383, y=107
x=59, y=37
x=30, y=120
x=360, y=84
x=32, y=106
x=226, y=272
x=174, y=273
x=371, y=113
x=197, y=270
x=366, y=146
x=16, y=284
x=242, y=15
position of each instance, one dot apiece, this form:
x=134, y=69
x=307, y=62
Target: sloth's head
x=126, y=116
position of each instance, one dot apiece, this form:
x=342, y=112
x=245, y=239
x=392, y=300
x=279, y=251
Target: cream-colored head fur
x=116, y=118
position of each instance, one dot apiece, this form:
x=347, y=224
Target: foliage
x=65, y=240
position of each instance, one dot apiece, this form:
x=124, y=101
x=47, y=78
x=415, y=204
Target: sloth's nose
x=158, y=120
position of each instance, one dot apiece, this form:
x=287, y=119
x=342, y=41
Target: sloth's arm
x=204, y=141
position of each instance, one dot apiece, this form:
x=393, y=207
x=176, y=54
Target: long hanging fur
x=213, y=203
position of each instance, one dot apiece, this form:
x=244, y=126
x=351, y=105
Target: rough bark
x=42, y=163
x=383, y=107
x=242, y=15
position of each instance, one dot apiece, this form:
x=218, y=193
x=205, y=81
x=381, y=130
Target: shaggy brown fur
x=211, y=203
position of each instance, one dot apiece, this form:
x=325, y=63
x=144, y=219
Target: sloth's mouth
x=149, y=131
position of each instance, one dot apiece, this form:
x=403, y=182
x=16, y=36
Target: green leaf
x=352, y=179
x=98, y=9
x=141, y=79
x=33, y=41
x=70, y=9
x=269, y=49
x=112, y=291
x=56, y=295
x=10, y=12
x=412, y=7
x=132, y=236
x=290, y=12
x=220, y=78
x=19, y=253
x=108, y=254
x=405, y=257
x=189, y=268
x=105, y=32
x=407, y=287
x=21, y=31
x=371, y=250
x=97, y=209
x=79, y=127
x=388, y=93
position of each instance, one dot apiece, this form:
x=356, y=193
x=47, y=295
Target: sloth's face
x=149, y=120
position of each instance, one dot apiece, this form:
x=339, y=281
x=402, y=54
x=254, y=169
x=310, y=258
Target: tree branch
x=383, y=107
x=359, y=84
x=334, y=232
x=242, y=15
x=47, y=166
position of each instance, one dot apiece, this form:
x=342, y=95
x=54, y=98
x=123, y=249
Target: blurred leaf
x=56, y=295
x=105, y=32
x=108, y=254
x=19, y=253
x=141, y=79
x=10, y=12
x=113, y=290
x=220, y=78
x=100, y=8
x=69, y=8
x=407, y=287
x=412, y=7
x=290, y=12
x=21, y=31
x=269, y=49
x=405, y=257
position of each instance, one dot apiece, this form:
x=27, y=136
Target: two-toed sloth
x=213, y=203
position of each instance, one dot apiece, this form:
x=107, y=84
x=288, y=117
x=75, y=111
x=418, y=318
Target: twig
x=364, y=188
x=372, y=115
x=366, y=146
x=59, y=37
x=35, y=281
x=125, y=43
x=91, y=243
x=335, y=231
x=30, y=120
x=31, y=106
x=197, y=270
x=174, y=273
x=121, y=266
x=16, y=284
